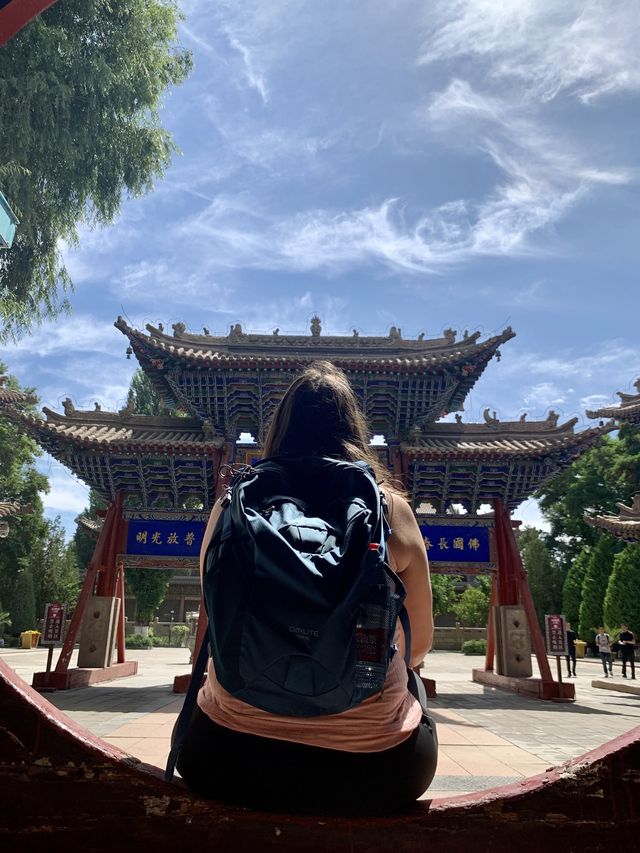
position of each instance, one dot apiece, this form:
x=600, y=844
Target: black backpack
x=302, y=605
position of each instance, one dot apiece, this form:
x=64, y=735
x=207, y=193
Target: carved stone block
x=513, y=641
x=98, y=633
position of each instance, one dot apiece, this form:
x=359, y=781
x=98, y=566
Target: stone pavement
x=487, y=737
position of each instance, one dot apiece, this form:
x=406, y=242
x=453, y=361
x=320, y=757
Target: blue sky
x=425, y=165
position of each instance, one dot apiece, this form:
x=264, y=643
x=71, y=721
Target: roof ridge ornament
x=316, y=326
x=490, y=419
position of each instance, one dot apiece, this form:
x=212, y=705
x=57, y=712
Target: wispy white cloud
x=67, y=494
x=584, y=49
x=543, y=395
x=79, y=356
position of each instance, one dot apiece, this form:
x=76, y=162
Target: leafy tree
x=21, y=482
x=149, y=587
x=23, y=607
x=544, y=574
x=88, y=76
x=595, y=584
x=142, y=396
x=472, y=608
x=572, y=588
x=83, y=544
x=5, y=619
x=54, y=569
x=443, y=588
x=622, y=600
x=589, y=485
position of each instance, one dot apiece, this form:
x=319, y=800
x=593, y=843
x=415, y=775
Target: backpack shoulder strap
x=184, y=717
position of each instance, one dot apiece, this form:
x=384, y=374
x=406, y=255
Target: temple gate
x=230, y=385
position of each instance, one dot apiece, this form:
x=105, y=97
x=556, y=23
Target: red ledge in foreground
x=78, y=677
x=534, y=687
x=62, y=788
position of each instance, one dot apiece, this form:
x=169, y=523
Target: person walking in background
x=603, y=642
x=627, y=642
x=571, y=650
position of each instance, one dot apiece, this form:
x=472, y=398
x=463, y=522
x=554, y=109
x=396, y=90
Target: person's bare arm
x=410, y=557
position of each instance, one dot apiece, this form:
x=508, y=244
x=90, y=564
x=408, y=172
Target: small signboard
x=459, y=544
x=53, y=623
x=555, y=630
x=165, y=537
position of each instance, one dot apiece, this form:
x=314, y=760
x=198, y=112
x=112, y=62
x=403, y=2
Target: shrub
x=473, y=606
x=474, y=647
x=179, y=634
x=137, y=641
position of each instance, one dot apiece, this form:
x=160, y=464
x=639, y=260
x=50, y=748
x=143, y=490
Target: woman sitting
x=379, y=755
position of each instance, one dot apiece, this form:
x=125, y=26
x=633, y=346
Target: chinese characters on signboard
x=555, y=631
x=53, y=623
x=456, y=544
x=173, y=538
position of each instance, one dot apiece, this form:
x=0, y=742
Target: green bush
x=160, y=641
x=179, y=634
x=137, y=641
x=474, y=647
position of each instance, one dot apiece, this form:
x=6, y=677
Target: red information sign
x=555, y=630
x=53, y=623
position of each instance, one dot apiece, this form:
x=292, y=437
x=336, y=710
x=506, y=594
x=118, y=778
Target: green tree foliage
x=21, y=482
x=595, y=584
x=472, y=608
x=142, y=397
x=622, y=600
x=590, y=485
x=149, y=587
x=544, y=574
x=23, y=607
x=443, y=588
x=83, y=544
x=54, y=569
x=572, y=588
x=5, y=619
x=80, y=90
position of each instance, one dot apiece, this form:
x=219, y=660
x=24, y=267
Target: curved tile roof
x=493, y=438
x=126, y=432
x=10, y=396
x=392, y=352
x=625, y=526
x=628, y=410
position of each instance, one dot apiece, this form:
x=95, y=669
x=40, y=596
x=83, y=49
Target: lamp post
x=170, y=625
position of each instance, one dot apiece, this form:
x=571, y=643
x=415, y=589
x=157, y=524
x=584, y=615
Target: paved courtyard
x=488, y=737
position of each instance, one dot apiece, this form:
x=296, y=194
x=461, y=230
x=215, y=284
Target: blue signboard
x=165, y=537
x=456, y=543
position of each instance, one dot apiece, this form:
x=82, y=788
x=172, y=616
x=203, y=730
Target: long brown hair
x=319, y=415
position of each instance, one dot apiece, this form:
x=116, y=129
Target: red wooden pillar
x=513, y=587
x=491, y=628
x=16, y=14
x=96, y=563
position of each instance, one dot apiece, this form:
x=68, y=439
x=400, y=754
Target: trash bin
x=580, y=648
x=30, y=639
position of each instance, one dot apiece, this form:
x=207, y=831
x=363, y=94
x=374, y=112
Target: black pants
x=277, y=775
x=571, y=659
x=628, y=657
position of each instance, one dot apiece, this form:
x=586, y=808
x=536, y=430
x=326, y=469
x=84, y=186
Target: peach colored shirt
x=380, y=722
